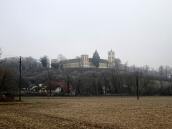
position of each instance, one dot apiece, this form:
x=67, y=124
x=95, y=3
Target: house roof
x=101, y=60
x=70, y=61
x=78, y=60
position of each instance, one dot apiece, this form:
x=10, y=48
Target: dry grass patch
x=88, y=112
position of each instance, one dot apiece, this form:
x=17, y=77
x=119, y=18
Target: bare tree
x=61, y=58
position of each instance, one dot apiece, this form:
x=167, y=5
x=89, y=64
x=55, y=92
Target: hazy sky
x=139, y=31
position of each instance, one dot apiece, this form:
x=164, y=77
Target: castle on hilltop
x=85, y=62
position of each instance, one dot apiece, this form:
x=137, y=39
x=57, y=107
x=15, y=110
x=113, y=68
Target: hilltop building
x=85, y=62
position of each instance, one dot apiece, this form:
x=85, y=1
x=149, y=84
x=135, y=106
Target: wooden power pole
x=20, y=69
x=137, y=85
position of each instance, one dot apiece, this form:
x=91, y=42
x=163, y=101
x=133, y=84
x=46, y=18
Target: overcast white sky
x=139, y=31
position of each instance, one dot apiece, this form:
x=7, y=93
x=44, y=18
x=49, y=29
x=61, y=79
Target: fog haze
x=139, y=31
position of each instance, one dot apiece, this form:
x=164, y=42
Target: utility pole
x=137, y=85
x=49, y=83
x=68, y=84
x=20, y=69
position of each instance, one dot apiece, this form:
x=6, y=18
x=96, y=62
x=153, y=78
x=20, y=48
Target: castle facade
x=85, y=62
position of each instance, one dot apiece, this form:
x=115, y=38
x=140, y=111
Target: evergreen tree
x=45, y=61
x=96, y=59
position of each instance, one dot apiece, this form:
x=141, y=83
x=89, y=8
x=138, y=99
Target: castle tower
x=111, y=59
x=84, y=61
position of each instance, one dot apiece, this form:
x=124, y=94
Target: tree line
x=119, y=80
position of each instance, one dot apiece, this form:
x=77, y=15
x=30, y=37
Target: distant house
x=36, y=89
x=60, y=87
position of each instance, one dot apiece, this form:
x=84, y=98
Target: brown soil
x=87, y=113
